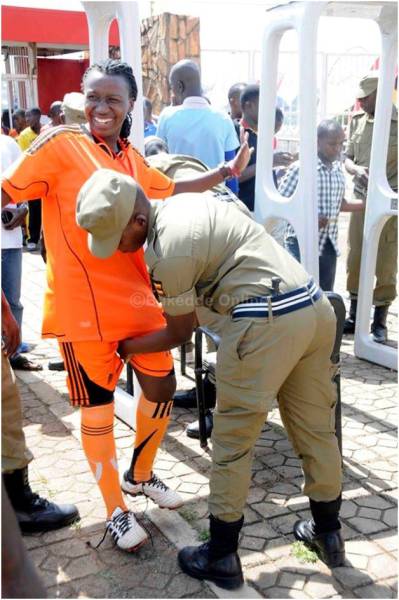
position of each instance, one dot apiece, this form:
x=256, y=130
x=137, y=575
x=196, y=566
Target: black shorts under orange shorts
x=93, y=369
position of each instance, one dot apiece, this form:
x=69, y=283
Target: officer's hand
x=362, y=174
x=18, y=218
x=10, y=332
x=123, y=350
x=242, y=157
x=282, y=159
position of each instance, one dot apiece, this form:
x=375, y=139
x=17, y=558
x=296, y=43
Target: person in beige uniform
x=357, y=164
x=276, y=341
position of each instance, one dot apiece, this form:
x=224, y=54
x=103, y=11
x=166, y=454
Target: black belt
x=279, y=304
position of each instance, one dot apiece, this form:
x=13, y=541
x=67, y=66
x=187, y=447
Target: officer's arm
x=178, y=330
x=208, y=180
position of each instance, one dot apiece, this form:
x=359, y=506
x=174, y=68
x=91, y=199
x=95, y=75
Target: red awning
x=47, y=27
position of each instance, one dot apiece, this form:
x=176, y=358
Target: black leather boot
x=350, y=322
x=192, y=430
x=216, y=560
x=188, y=398
x=379, y=329
x=56, y=365
x=322, y=532
x=35, y=514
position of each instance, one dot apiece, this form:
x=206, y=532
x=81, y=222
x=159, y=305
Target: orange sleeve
x=155, y=184
x=32, y=175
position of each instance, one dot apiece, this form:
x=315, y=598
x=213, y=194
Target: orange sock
x=151, y=423
x=97, y=429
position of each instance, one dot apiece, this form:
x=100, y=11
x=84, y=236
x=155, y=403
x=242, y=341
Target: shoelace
x=155, y=482
x=123, y=518
x=37, y=500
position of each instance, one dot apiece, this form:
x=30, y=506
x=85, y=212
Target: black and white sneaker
x=127, y=533
x=154, y=489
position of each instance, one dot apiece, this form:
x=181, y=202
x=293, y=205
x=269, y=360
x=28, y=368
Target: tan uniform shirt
x=203, y=251
x=359, y=147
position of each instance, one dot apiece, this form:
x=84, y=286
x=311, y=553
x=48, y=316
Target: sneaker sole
x=134, y=548
x=149, y=497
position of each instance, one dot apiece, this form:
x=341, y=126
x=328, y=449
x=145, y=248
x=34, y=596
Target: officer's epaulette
x=140, y=155
x=50, y=134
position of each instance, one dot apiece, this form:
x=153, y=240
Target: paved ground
x=273, y=568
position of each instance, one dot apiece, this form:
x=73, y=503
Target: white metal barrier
x=301, y=209
x=382, y=202
x=100, y=16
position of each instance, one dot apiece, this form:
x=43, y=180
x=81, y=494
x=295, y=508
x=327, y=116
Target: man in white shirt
x=194, y=128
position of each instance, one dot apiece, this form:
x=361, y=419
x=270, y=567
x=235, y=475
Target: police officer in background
x=276, y=340
x=357, y=164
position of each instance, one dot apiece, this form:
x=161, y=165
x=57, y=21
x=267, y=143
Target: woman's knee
x=158, y=389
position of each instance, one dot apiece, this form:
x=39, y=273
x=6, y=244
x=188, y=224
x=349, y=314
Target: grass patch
x=204, y=535
x=303, y=553
x=189, y=515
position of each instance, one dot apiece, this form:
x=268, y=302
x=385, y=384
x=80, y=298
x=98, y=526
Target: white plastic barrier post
x=301, y=209
x=100, y=16
x=382, y=202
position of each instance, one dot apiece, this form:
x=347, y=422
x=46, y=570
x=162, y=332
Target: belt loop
x=270, y=309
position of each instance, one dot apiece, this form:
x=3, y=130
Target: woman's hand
x=241, y=159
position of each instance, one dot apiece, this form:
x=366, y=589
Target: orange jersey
x=87, y=298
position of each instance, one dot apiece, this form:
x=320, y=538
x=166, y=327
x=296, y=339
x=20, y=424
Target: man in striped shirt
x=330, y=199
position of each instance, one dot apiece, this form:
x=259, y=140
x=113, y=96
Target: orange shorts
x=93, y=369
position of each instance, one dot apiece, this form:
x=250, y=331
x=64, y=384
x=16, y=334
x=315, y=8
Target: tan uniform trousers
x=287, y=357
x=386, y=267
x=14, y=452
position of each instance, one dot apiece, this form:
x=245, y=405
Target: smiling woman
x=110, y=90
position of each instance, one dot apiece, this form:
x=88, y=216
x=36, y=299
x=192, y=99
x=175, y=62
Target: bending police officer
x=203, y=251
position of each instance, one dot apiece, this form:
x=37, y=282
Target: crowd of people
x=83, y=187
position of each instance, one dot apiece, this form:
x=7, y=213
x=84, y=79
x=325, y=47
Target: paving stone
x=269, y=509
x=373, y=501
x=182, y=585
x=374, y=590
x=348, y=509
x=292, y=581
x=64, y=590
x=362, y=547
x=284, y=523
x=321, y=586
x=369, y=513
x=388, y=541
x=282, y=592
x=261, y=530
x=367, y=525
x=350, y=577
x=390, y=517
x=357, y=561
x=383, y=564
x=252, y=543
x=264, y=576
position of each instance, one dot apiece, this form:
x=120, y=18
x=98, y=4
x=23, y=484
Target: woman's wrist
x=229, y=170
